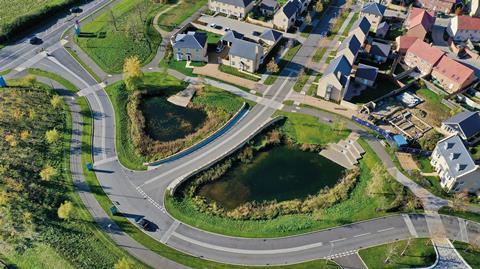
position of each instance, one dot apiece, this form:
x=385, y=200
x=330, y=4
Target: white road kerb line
x=384, y=230
x=338, y=240
x=253, y=121
x=360, y=235
x=246, y=251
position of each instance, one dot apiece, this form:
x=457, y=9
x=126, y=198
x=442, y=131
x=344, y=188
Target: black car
x=35, y=40
x=144, y=224
x=76, y=10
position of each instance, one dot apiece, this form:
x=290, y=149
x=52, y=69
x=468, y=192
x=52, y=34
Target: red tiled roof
x=468, y=23
x=420, y=16
x=404, y=42
x=453, y=70
x=425, y=51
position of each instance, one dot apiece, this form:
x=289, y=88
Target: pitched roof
x=271, y=35
x=426, y=51
x=237, y=3
x=453, y=70
x=374, y=8
x=419, y=16
x=361, y=23
x=290, y=8
x=269, y=4
x=383, y=26
x=456, y=155
x=366, y=72
x=341, y=68
x=191, y=40
x=380, y=49
x=244, y=49
x=352, y=43
x=231, y=35
x=468, y=23
x=405, y=42
x=465, y=122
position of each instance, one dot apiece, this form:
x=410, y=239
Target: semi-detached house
x=237, y=8
x=462, y=28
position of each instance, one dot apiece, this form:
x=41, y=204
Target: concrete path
x=448, y=256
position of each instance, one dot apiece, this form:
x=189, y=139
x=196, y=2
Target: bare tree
x=113, y=20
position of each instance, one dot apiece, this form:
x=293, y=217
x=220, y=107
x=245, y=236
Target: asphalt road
x=142, y=193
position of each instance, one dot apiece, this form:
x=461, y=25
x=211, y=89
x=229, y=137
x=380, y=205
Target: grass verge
x=175, y=16
x=283, y=62
x=469, y=253
x=83, y=64
x=233, y=71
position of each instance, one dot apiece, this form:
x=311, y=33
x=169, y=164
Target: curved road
x=142, y=193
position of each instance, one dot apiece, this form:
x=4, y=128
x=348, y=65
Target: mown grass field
x=418, y=253
x=56, y=243
x=175, y=16
x=469, y=253
x=211, y=96
x=125, y=31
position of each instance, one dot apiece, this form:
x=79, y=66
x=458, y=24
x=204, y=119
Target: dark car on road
x=145, y=224
x=75, y=10
x=35, y=40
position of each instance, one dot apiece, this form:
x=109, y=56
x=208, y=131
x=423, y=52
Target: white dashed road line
x=384, y=230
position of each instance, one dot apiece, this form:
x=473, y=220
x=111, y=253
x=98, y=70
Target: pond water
x=281, y=173
x=165, y=121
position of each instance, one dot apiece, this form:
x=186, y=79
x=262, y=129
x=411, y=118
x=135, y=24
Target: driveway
x=211, y=70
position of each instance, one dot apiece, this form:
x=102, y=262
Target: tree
x=24, y=135
x=32, y=114
x=11, y=139
x=56, y=101
x=308, y=19
x=391, y=251
x=113, y=20
x=132, y=73
x=272, y=66
x=65, y=211
x=48, y=173
x=30, y=80
x=458, y=11
x=52, y=136
x=131, y=28
x=319, y=7
x=123, y=263
x=4, y=198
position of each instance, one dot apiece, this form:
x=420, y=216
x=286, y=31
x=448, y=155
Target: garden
x=175, y=16
x=244, y=195
x=124, y=31
x=150, y=128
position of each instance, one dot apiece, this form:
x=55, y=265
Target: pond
x=165, y=121
x=281, y=173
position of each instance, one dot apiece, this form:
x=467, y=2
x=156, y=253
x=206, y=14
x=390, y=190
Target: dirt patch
x=406, y=161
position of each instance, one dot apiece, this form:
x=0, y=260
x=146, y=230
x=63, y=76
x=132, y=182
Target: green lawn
x=302, y=80
x=234, y=71
x=175, y=16
x=469, y=253
x=350, y=24
x=212, y=38
x=312, y=90
x=317, y=57
x=447, y=210
x=5, y=72
x=419, y=253
x=436, y=111
x=180, y=66
x=283, y=62
x=109, y=39
x=40, y=256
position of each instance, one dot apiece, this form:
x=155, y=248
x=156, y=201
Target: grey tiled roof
x=271, y=35
x=467, y=123
x=237, y=3
x=366, y=72
x=363, y=24
x=380, y=49
x=290, y=9
x=190, y=40
x=269, y=4
x=340, y=67
x=456, y=155
x=244, y=49
x=374, y=8
x=352, y=43
x=231, y=36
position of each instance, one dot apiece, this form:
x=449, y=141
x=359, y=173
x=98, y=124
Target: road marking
x=359, y=235
x=410, y=226
x=340, y=255
x=104, y=161
x=246, y=251
x=384, y=230
x=170, y=231
x=338, y=240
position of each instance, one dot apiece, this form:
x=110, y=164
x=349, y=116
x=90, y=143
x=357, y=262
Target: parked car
x=213, y=25
x=220, y=48
x=35, y=40
x=256, y=33
x=76, y=10
x=227, y=29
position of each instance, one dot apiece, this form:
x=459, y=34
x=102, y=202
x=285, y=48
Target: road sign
x=3, y=83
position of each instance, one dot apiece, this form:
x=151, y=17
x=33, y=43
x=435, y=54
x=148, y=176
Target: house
x=191, y=46
x=382, y=29
x=423, y=56
x=269, y=7
x=237, y=8
x=444, y=6
x=403, y=43
x=230, y=37
x=461, y=28
x=452, y=75
x=349, y=48
x=286, y=16
x=366, y=74
x=360, y=29
x=245, y=55
x=419, y=23
x=380, y=51
x=475, y=8
x=335, y=79
x=454, y=165
x=271, y=37
x=464, y=124
x=374, y=14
